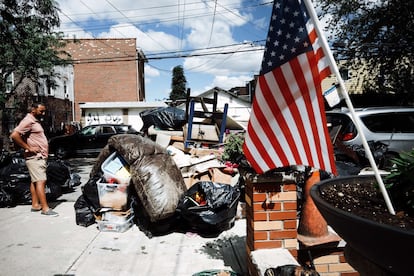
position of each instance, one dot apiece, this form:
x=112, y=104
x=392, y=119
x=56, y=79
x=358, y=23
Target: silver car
x=392, y=126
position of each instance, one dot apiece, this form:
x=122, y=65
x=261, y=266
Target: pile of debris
x=15, y=179
x=160, y=189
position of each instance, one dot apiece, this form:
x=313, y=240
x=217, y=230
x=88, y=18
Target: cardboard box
x=202, y=132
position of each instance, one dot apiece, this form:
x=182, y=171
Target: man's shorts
x=37, y=169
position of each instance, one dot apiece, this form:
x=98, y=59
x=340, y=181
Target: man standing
x=29, y=135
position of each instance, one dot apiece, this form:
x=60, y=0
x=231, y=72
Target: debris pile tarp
x=165, y=118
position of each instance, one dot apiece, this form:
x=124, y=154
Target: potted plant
x=354, y=207
x=233, y=155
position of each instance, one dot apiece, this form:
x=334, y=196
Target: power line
x=120, y=12
x=188, y=12
x=260, y=43
x=212, y=23
x=189, y=15
x=125, y=59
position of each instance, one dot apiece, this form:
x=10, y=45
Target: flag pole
x=344, y=92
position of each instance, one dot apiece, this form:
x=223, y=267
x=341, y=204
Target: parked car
x=391, y=126
x=88, y=141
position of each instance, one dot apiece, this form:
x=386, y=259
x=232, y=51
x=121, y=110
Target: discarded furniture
x=207, y=126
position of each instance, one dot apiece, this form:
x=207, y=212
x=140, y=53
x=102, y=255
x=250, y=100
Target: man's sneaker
x=50, y=213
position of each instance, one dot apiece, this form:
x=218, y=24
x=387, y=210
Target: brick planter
x=271, y=219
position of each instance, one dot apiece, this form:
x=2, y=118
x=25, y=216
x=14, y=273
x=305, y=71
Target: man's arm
x=17, y=138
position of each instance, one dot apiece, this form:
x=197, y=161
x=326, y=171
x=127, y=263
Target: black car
x=88, y=141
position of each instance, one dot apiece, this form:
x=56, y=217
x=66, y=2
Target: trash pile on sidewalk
x=15, y=179
x=160, y=189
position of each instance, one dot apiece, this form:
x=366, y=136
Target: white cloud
x=240, y=60
x=227, y=82
x=151, y=72
x=168, y=26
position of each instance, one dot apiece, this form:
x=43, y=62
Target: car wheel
x=61, y=153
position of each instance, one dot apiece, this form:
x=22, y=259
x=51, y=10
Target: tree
x=29, y=45
x=179, y=84
x=379, y=36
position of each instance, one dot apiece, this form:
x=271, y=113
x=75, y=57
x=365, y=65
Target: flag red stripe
x=325, y=72
x=312, y=35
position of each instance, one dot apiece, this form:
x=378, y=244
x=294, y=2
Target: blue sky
x=225, y=37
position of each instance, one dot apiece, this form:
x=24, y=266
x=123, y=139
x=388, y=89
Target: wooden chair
x=206, y=126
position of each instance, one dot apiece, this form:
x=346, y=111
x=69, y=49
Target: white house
x=116, y=112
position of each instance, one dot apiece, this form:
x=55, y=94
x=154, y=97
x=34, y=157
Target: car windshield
x=125, y=129
x=121, y=129
x=88, y=131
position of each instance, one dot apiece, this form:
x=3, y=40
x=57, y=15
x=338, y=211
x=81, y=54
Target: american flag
x=288, y=124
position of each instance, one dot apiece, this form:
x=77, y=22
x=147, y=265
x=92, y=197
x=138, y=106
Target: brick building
x=106, y=70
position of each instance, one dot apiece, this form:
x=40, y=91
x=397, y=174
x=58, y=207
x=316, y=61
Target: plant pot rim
x=316, y=190
x=385, y=245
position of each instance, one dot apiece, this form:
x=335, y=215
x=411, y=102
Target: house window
x=49, y=87
x=107, y=130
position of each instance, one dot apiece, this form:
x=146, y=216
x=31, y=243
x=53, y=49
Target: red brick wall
x=105, y=70
x=271, y=218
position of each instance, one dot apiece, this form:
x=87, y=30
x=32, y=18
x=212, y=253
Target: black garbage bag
x=53, y=191
x=87, y=203
x=346, y=168
x=16, y=179
x=6, y=199
x=18, y=184
x=90, y=192
x=58, y=173
x=75, y=180
x=209, y=208
x=84, y=213
x=166, y=118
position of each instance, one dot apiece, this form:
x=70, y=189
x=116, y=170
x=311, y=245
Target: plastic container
x=112, y=195
x=116, y=225
x=116, y=169
x=117, y=216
